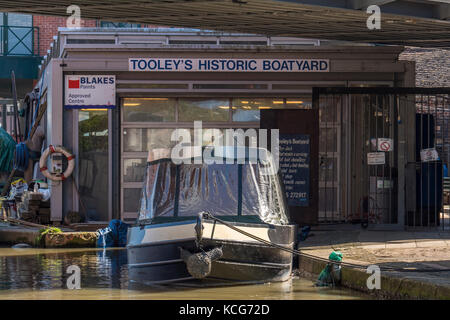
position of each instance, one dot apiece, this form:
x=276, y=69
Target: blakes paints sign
x=90, y=91
x=228, y=65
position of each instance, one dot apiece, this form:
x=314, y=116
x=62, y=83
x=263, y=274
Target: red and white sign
x=90, y=91
x=385, y=144
x=429, y=155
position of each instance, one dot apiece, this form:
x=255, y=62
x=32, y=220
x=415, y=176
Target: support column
x=406, y=148
x=55, y=86
x=4, y=112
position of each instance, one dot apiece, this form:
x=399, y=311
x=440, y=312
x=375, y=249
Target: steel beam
x=406, y=22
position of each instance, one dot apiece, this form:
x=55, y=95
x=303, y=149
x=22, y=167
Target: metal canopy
x=424, y=23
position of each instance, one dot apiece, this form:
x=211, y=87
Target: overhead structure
x=424, y=23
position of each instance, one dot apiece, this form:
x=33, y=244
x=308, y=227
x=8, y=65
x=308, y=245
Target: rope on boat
x=207, y=215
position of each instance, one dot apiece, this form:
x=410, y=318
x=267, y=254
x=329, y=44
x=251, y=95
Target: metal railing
x=384, y=154
x=19, y=41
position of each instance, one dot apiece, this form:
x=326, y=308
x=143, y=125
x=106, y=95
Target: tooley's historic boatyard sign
x=90, y=91
x=228, y=65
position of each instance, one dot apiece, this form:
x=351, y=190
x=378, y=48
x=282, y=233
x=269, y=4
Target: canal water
x=42, y=274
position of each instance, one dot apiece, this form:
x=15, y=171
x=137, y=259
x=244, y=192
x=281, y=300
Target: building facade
x=151, y=100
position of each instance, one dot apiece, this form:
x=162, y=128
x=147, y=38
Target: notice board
x=303, y=126
x=294, y=167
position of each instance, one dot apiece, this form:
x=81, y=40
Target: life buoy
x=43, y=163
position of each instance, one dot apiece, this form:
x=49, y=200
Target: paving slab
x=400, y=245
x=399, y=236
x=431, y=244
x=405, y=252
x=372, y=239
x=373, y=246
x=424, y=236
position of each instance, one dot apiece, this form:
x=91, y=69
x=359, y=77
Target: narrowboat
x=223, y=221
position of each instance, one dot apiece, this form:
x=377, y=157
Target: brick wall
x=48, y=28
x=432, y=66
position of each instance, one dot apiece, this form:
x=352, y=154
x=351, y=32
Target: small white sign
x=375, y=158
x=385, y=144
x=227, y=65
x=384, y=184
x=90, y=91
x=429, y=155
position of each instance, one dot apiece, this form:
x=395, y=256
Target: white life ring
x=43, y=163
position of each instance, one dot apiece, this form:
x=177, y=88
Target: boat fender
x=21, y=246
x=43, y=163
x=199, y=264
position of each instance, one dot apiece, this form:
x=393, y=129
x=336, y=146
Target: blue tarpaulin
x=115, y=235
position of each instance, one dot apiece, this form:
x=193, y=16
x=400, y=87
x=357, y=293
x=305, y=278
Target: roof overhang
x=423, y=23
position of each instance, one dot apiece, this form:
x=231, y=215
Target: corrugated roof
x=407, y=22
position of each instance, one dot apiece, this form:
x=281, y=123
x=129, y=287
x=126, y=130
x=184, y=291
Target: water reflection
x=43, y=271
x=41, y=274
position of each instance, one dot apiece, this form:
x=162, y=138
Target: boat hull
x=156, y=259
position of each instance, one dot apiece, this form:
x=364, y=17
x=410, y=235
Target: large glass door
x=93, y=162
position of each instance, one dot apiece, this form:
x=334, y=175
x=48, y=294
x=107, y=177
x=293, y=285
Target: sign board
x=294, y=166
x=227, y=65
x=90, y=91
x=384, y=184
x=385, y=144
x=429, y=155
x=376, y=158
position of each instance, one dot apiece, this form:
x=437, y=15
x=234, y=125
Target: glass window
x=152, y=86
x=284, y=86
x=203, y=110
x=148, y=109
x=19, y=19
x=93, y=163
x=327, y=200
x=329, y=108
x=134, y=170
x=19, y=35
x=248, y=109
x=250, y=86
x=108, y=24
x=143, y=140
x=299, y=103
x=20, y=41
x=209, y=136
x=328, y=140
x=131, y=199
x=327, y=169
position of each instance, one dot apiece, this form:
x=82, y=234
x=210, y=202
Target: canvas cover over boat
x=240, y=186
